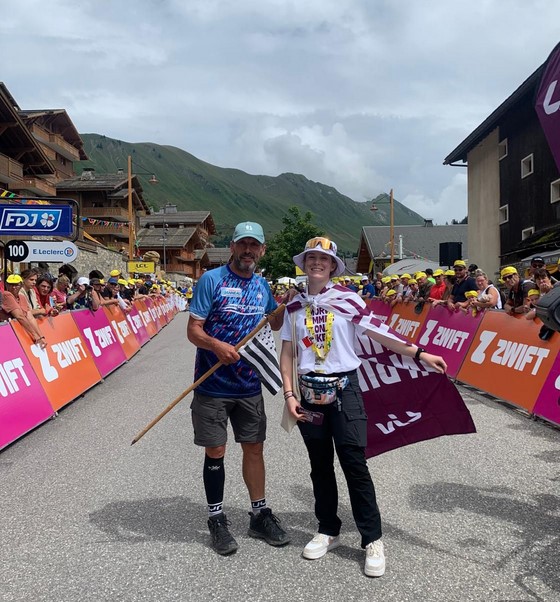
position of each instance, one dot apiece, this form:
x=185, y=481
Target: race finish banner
x=547, y=104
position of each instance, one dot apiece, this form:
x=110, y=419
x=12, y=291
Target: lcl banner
x=507, y=359
x=407, y=319
x=122, y=330
x=547, y=104
x=65, y=367
x=449, y=334
x=101, y=340
x=23, y=403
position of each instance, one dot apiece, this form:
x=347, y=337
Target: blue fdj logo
x=36, y=220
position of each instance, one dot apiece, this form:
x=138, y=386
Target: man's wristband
x=418, y=352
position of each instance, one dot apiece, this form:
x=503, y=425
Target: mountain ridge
x=232, y=195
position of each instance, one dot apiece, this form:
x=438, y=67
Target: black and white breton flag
x=260, y=354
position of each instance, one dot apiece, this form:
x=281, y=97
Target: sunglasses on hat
x=321, y=241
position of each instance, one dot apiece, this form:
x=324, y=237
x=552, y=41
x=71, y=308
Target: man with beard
x=227, y=304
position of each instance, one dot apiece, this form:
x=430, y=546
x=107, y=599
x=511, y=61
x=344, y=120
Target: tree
x=290, y=241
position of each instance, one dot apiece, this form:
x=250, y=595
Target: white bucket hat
x=322, y=245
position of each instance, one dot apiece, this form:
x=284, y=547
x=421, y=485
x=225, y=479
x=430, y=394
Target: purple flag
x=547, y=104
x=405, y=401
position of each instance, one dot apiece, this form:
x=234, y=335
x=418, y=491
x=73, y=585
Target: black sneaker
x=222, y=540
x=264, y=525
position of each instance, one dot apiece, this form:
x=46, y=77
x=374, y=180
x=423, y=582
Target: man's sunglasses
x=537, y=265
x=459, y=269
x=509, y=277
x=320, y=241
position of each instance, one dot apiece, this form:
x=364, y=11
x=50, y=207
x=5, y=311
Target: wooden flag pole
x=244, y=340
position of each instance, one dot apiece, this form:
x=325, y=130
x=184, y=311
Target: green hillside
x=232, y=195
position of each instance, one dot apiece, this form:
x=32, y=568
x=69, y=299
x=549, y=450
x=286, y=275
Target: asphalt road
x=86, y=517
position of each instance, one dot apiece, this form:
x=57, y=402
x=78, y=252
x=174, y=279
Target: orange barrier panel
x=65, y=368
x=406, y=321
x=122, y=329
x=146, y=317
x=507, y=359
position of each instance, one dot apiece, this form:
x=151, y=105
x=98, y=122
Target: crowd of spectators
x=36, y=294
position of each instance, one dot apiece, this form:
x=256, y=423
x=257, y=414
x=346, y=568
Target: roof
x=418, y=241
x=218, y=255
x=151, y=238
x=493, y=120
x=59, y=122
x=180, y=217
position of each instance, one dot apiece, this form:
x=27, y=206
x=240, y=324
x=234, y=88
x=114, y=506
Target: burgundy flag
x=405, y=401
x=547, y=104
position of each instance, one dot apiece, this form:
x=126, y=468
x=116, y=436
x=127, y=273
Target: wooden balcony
x=35, y=185
x=10, y=170
x=179, y=267
x=110, y=213
x=56, y=142
x=99, y=230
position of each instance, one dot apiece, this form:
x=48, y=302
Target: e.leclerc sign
x=48, y=251
x=36, y=220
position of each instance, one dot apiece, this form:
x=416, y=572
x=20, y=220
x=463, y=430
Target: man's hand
x=225, y=352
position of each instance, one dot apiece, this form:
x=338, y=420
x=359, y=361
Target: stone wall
x=100, y=259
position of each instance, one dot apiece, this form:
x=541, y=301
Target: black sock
x=214, y=477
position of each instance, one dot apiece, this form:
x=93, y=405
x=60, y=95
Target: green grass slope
x=232, y=195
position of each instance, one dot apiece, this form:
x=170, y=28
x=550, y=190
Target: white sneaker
x=375, y=559
x=320, y=545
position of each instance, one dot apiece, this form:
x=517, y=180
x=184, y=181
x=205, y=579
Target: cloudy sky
x=363, y=95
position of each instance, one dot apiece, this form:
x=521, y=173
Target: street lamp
x=392, y=227
x=164, y=239
x=131, y=228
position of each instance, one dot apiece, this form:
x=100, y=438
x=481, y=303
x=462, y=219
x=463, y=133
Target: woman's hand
x=293, y=406
x=434, y=361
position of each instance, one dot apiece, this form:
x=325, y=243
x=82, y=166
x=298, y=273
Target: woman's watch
x=418, y=352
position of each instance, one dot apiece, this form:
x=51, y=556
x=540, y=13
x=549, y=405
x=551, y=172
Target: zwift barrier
x=83, y=347
x=492, y=351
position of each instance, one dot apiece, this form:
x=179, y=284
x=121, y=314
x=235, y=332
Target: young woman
x=323, y=345
x=45, y=297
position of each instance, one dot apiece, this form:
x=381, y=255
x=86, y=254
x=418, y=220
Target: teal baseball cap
x=248, y=230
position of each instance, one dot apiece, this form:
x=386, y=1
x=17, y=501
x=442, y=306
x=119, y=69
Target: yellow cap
x=131, y=281
x=390, y=293
x=386, y=279
x=509, y=269
x=14, y=279
x=459, y=262
x=420, y=275
x=533, y=291
x=114, y=273
x=471, y=294
x=138, y=281
x=394, y=277
x=122, y=281
x=449, y=273
x=406, y=276
x=438, y=272
x=413, y=281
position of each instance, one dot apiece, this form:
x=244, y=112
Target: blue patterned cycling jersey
x=231, y=306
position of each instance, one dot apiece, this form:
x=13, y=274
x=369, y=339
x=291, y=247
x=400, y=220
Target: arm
x=433, y=361
x=225, y=352
x=28, y=322
x=286, y=364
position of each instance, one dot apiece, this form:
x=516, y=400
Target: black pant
x=343, y=429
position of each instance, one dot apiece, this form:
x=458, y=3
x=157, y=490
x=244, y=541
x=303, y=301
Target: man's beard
x=243, y=267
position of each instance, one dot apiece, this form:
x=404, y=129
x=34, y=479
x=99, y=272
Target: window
x=527, y=166
x=527, y=232
x=504, y=214
x=555, y=191
x=502, y=149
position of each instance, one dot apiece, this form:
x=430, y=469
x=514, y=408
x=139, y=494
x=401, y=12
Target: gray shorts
x=210, y=418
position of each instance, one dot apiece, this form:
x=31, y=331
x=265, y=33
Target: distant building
x=374, y=253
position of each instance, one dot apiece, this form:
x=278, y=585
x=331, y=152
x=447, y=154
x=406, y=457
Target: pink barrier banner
x=137, y=324
x=146, y=316
x=152, y=309
x=548, y=401
x=23, y=403
x=121, y=328
x=449, y=334
x=100, y=338
x=380, y=310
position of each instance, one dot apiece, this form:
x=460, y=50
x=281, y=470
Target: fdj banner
x=36, y=220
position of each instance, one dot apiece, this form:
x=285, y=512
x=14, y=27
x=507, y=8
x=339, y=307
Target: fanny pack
x=321, y=390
